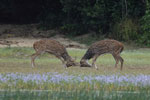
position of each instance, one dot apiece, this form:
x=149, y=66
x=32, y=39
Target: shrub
x=125, y=30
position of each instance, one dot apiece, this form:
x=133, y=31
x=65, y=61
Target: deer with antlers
x=102, y=47
x=55, y=48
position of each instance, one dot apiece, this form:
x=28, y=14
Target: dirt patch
x=28, y=42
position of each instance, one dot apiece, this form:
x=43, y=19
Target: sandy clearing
x=28, y=42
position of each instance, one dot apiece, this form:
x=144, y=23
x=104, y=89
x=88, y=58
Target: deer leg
x=116, y=59
x=64, y=63
x=121, y=61
x=33, y=57
x=88, y=62
x=94, y=60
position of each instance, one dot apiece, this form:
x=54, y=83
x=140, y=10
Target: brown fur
x=101, y=47
x=55, y=48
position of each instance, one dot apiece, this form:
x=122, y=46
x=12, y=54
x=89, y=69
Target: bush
x=126, y=30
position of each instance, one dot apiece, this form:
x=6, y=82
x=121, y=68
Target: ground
x=17, y=59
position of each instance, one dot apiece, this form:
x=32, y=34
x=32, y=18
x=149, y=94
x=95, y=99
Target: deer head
x=72, y=62
x=83, y=63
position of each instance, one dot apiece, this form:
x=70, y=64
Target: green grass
x=18, y=60
x=73, y=95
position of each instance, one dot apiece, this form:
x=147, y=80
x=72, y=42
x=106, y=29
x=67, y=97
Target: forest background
x=124, y=20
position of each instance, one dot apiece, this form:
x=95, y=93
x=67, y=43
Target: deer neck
x=66, y=57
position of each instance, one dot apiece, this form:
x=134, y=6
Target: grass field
x=75, y=82
x=18, y=60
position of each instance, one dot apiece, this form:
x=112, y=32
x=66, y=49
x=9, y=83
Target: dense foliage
x=119, y=19
x=145, y=26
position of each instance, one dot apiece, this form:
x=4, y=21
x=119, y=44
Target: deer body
x=55, y=48
x=102, y=47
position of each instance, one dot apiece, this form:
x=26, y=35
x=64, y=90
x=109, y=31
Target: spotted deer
x=55, y=48
x=102, y=47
